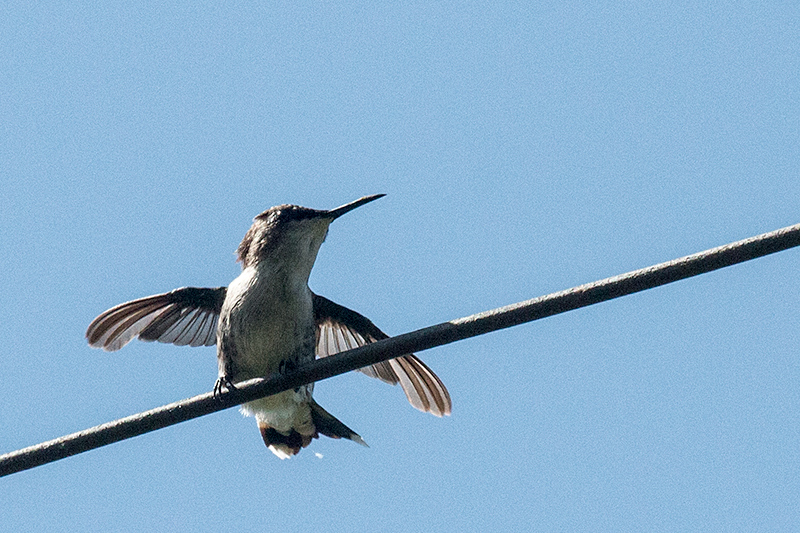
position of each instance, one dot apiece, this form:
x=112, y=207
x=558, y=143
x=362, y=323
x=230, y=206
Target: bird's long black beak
x=339, y=211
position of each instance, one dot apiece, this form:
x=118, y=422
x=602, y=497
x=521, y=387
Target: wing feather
x=185, y=316
x=340, y=329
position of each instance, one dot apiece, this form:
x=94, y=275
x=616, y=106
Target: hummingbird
x=268, y=321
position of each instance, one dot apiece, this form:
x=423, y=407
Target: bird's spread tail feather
x=285, y=446
x=330, y=426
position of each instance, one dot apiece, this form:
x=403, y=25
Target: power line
x=415, y=341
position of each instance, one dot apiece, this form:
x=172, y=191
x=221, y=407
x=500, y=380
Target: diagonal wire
x=415, y=341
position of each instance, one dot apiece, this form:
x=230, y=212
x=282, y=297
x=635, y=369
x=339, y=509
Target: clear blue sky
x=523, y=150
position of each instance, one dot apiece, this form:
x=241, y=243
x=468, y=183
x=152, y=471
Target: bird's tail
x=330, y=426
x=285, y=446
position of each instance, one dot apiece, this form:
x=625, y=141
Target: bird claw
x=223, y=382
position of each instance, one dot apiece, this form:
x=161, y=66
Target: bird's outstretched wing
x=185, y=316
x=340, y=329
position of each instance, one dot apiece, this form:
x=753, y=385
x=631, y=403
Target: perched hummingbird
x=268, y=321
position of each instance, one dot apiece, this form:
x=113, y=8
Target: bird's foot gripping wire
x=223, y=382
